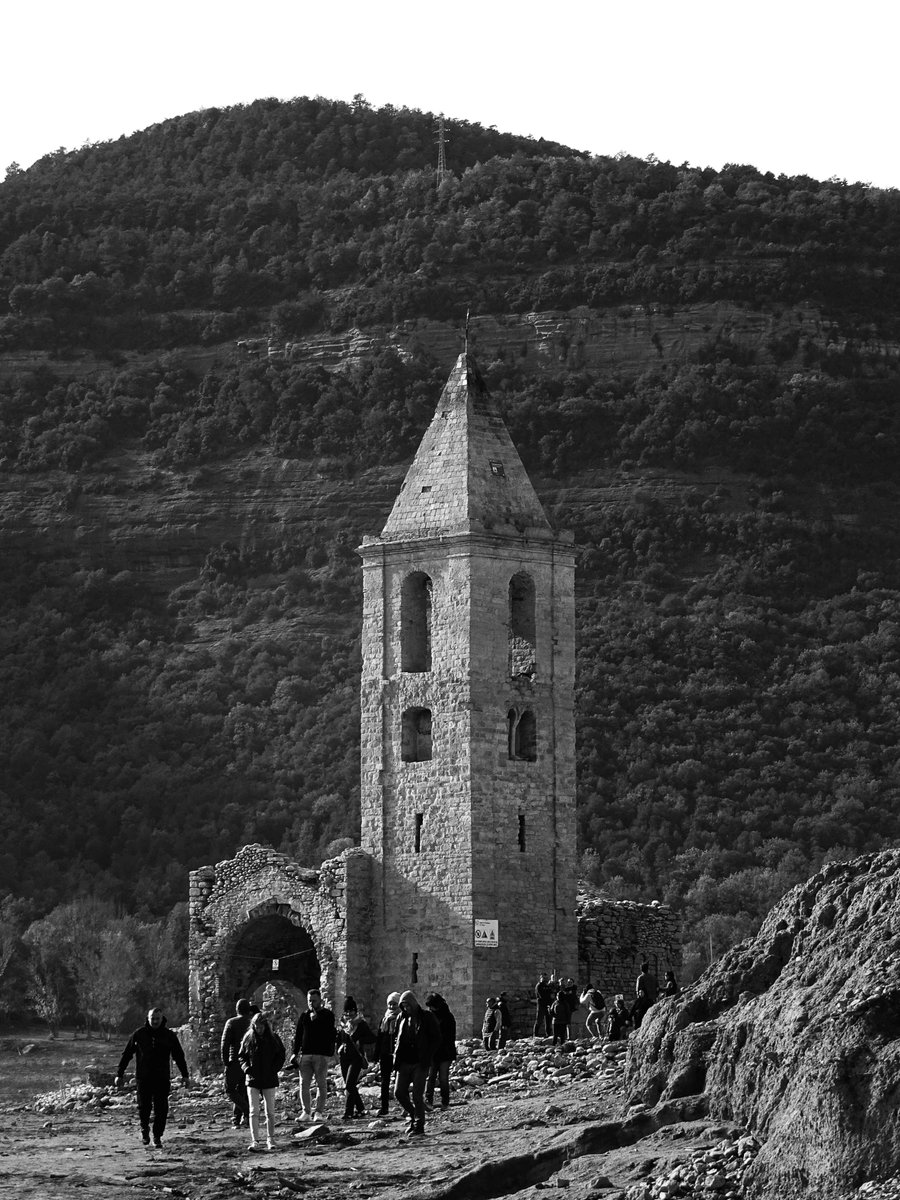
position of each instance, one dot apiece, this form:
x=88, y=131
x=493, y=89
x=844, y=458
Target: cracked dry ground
x=484, y=1146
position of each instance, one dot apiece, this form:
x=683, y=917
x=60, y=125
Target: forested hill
x=700, y=369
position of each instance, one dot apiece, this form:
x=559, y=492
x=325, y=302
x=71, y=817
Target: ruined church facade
x=464, y=881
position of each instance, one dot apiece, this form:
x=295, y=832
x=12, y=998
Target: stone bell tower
x=468, y=745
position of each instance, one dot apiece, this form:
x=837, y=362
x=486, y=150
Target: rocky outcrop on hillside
x=795, y=1034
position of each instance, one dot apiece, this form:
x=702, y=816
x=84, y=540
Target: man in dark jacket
x=153, y=1047
x=415, y=1042
x=544, y=994
x=235, y=1083
x=313, y=1047
x=646, y=990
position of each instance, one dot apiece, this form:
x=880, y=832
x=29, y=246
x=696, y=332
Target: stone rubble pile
x=523, y=1066
x=75, y=1095
x=714, y=1172
x=534, y=1062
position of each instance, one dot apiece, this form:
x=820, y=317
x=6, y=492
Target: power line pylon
x=442, y=158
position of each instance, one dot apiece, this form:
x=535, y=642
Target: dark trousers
x=439, y=1074
x=560, y=1031
x=236, y=1089
x=153, y=1096
x=410, y=1091
x=351, y=1071
x=542, y=1022
x=385, y=1068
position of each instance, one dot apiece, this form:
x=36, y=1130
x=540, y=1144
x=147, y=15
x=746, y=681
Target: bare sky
x=790, y=86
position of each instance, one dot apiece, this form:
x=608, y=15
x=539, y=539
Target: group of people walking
x=557, y=1000
x=412, y=1044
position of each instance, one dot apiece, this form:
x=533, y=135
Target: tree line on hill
x=739, y=643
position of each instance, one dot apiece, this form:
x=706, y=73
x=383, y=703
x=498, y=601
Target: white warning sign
x=487, y=933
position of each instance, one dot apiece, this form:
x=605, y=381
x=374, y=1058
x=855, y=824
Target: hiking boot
x=270, y=1145
x=254, y=1147
x=418, y=1128
x=145, y=1138
x=157, y=1143
x=382, y=1112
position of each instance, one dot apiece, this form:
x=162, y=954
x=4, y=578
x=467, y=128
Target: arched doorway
x=272, y=961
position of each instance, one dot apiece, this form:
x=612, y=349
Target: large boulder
x=795, y=1034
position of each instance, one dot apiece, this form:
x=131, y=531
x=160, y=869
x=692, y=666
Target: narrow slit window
x=420, y=818
x=416, y=735
x=414, y=968
x=521, y=833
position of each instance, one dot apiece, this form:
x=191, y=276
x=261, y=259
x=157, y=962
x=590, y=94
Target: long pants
x=542, y=1022
x=410, y=1091
x=267, y=1096
x=313, y=1065
x=560, y=1032
x=236, y=1089
x=385, y=1069
x=439, y=1073
x=351, y=1072
x=153, y=1096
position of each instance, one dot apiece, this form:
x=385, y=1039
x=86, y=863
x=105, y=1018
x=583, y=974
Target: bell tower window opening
x=415, y=623
x=521, y=729
x=416, y=735
x=522, y=637
x=521, y=833
x=420, y=819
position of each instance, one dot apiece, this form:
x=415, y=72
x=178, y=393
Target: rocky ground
x=521, y=1122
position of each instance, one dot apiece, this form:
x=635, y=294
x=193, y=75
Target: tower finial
x=467, y=333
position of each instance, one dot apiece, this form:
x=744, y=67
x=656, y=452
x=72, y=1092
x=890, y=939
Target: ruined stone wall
x=261, y=907
x=615, y=936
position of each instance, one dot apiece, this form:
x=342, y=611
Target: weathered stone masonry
x=465, y=879
x=262, y=906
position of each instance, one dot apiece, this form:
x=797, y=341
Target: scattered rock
x=796, y=1034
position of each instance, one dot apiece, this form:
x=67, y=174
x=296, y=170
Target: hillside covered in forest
x=179, y=508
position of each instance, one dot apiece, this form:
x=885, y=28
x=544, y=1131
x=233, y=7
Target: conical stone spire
x=467, y=476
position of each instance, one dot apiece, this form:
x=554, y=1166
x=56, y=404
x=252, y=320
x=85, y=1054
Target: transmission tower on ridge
x=442, y=158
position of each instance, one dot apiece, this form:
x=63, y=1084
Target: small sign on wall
x=275, y=962
x=487, y=933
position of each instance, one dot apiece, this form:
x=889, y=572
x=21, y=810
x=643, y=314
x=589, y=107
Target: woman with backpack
x=593, y=1022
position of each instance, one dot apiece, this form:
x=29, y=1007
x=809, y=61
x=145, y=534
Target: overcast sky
x=790, y=86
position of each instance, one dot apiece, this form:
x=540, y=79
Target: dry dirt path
x=493, y=1142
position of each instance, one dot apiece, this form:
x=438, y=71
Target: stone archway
x=260, y=909
x=272, y=961
x=270, y=935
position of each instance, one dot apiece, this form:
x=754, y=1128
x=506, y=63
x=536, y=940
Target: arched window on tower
x=415, y=623
x=521, y=731
x=522, y=640
x=416, y=735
